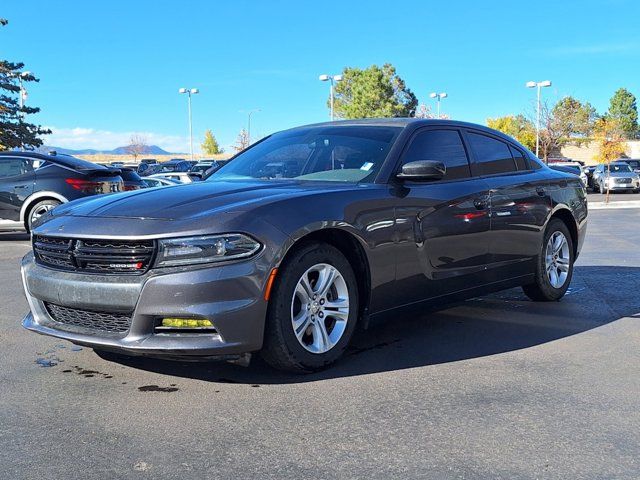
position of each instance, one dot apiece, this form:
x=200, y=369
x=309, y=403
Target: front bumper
x=622, y=186
x=229, y=295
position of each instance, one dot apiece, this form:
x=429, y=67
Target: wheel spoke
x=304, y=288
x=325, y=280
x=300, y=323
x=563, y=264
x=321, y=337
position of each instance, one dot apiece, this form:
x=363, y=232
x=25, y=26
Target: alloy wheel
x=40, y=210
x=557, y=259
x=320, y=308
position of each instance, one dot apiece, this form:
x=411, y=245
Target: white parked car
x=159, y=182
x=180, y=177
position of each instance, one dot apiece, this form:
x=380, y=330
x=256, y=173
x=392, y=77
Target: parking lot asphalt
x=496, y=387
x=614, y=197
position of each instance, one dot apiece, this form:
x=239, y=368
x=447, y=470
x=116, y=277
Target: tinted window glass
x=346, y=153
x=12, y=167
x=75, y=163
x=443, y=146
x=519, y=158
x=493, y=156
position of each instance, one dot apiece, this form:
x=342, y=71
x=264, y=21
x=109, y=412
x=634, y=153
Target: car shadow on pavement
x=490, y=325
x=14, y=236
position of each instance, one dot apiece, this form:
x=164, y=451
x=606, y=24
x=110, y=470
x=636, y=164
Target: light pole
x=189, y=92
x=331, y=79
x=249, y=113
x=545, y=83
x=22, y=96
x=438, y=97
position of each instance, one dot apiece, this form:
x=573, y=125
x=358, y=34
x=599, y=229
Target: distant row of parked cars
x=622, y=175
x=32, y=184
x=151, y=173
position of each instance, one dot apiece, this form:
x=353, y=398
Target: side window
x=443, y=146
x=493, y=156
x=518, y=156
x=13, y=167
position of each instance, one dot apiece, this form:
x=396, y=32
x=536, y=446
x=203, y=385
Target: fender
x=36, y=196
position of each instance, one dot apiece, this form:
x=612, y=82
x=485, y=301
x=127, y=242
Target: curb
x=610, y=205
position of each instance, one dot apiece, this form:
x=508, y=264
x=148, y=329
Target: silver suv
x=615, y=176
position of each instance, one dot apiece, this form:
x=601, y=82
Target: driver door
x=442, y=225
x=16, y=184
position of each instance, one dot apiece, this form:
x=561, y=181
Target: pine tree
x=210, y=145
x=15, y=132
x=623, y=109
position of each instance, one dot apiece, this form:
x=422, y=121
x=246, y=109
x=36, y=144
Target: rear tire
x=38, y=210
x=554, y=267
x=313, y=310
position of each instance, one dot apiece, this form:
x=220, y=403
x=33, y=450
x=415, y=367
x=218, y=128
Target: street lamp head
x=433, y=95
x=182, y=90
x=323, y=78
x=531, y=84
x=546, y=83
x=443, y=95
x=195, y=90
x=337, y=78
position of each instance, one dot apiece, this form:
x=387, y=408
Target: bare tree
x=424, y=111
x=242, y=141
x=138, y=145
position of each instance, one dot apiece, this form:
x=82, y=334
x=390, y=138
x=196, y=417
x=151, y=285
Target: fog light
x=186, y=323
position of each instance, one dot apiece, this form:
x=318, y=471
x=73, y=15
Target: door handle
x=480, y=203
x=16, y=187
x=540, y=191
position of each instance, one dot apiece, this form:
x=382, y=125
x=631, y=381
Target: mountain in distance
x=151, y=150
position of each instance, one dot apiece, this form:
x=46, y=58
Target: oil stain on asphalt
x=156, y=388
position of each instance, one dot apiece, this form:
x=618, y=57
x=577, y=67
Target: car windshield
x=619, y=167
x=323, y=154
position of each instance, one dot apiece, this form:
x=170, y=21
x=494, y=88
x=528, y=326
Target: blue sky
x=108, y=69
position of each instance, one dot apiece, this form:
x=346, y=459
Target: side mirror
x=422, y=170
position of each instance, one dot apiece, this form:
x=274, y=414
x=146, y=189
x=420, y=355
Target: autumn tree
x=138, y=145
x=210, y=144
x=516, y=126
x=623, y=109
x=609, y=134
x=15, y=131
x=373, y=92
x=242, y=142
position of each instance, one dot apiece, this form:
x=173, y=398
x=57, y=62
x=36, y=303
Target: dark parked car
x=633, y=163
x=203, y=167
x=31, y=184
x=131, y=179
x=301, y=238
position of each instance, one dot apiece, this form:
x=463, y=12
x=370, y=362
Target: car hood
x=187, y=201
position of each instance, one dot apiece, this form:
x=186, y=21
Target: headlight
x=205, y=249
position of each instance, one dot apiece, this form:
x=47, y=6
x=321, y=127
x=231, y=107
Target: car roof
x=404, y=122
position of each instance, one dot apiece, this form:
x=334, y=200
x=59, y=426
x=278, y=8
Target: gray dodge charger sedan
x=302, y=238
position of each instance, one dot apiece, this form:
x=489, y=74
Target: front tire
x=313, y=310
x=554, y=267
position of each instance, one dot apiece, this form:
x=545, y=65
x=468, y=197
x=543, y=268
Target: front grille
x=111, y=322
x=94, y=256
x=623, y=180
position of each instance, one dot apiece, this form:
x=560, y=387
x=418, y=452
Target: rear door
x=520, y=203
x=442, y=225
x=16, y=184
